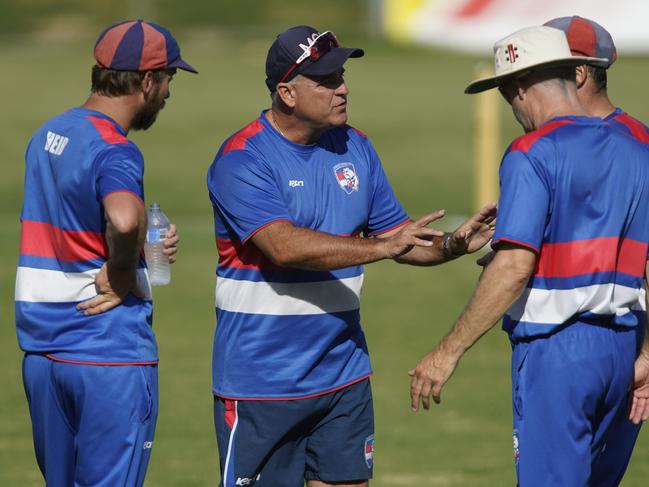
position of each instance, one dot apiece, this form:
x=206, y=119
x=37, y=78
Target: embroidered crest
x=346, y=176
x=369, y=451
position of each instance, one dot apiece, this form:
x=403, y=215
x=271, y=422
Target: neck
x=294, y=129
x=555, y=103
x=598, y=104
x=119, y=108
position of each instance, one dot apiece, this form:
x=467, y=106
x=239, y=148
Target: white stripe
x=48, y=286
x=274, y=298
x=230, y=443
x=559, y=305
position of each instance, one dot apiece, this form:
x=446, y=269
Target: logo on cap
x=512, y=53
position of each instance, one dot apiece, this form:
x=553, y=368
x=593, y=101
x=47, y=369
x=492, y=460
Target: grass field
x=410, y=102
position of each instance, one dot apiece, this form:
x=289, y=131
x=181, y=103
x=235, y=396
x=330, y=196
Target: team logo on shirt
x=346, y=177
x=369, y=451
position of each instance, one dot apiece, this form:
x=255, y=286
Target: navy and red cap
x=136, y=45
x=292, y=44
x=586, y=37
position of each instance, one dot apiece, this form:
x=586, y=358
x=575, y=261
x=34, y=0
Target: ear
x=521, y=88
x=147, y=84
x=286, y=92
x=582, y=75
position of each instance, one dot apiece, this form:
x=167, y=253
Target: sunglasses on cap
x=321, y=45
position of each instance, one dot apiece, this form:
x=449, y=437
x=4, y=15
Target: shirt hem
x=293, y=398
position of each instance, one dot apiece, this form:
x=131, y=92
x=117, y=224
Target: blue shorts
x=282, y=443
x=570, y=396
x=92, y=425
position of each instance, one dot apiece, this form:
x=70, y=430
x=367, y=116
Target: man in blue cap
x=83, y=299
x=588, y=38
x=301, y=202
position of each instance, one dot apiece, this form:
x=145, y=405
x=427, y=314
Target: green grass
x=410, y=102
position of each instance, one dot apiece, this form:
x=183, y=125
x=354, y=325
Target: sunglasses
x=321, y=45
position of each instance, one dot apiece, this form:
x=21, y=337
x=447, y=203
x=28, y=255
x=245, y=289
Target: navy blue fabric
x=282, y=443
x=92, y=425
x=129, y=49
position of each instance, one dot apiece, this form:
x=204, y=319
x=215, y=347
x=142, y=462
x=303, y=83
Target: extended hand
x=413, y=234
x=640, y=394
x=474, y=233
x=112, y=287
x=430, y=375
x=171, y=243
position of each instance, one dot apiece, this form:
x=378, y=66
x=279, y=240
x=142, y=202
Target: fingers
x=99, y=304
x=639, y=409
x=415, y=390
x=170, y=243
x=431, y=217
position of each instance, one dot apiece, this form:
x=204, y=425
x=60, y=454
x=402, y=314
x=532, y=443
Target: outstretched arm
x=472, y=235
x=502, y=283
x=640, y=394
x=290, y=246
x=125, y=230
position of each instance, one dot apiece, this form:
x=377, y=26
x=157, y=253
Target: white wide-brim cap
x=528, y=48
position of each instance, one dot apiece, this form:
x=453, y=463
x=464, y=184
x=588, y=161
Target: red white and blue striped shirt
x=576, y=192
x=72, y=163
x=288, y=333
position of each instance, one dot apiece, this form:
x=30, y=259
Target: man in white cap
x=571, y=249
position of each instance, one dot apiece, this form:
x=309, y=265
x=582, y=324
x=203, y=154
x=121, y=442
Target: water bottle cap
x=154, y=206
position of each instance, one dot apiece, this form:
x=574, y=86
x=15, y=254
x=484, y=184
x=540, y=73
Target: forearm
x=502, y=283
x=313, y=250
x=645, y=343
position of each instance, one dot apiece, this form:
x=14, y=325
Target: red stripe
x=238, y=140
x=112, y=364
x=604, y=254
x=154, y=50
x=582, y=38
x=637, y=128
x=107, y=130
x=358, y=131
x=230, y=415
x=296, y=398
x=472, y=8
x=105, y=50
x=525, y=142
x=234, y=254
x=44, y=240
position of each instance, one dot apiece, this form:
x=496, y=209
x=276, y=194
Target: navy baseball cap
x=136, y=45
x=303, y=50
x=586, y=37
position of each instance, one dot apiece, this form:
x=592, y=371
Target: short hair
x=599, y=77
x=554, y=75
x=111, y=82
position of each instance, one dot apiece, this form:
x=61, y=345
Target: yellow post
x=486, y=144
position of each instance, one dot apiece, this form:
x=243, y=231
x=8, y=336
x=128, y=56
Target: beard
x=148, y=113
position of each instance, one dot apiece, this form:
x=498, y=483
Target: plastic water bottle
x=156, y=232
